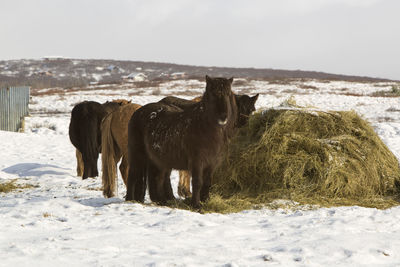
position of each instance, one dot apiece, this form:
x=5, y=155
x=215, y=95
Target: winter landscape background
x=60, y=219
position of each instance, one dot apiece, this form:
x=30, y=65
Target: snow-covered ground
x=65, y=221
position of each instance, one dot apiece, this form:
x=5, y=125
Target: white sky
x=357, y=37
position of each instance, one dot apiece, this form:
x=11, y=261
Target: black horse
x=246, y=106
x=84, y=133
x=163, y=137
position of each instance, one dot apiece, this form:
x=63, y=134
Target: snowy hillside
x=61, y=220
x=67, y=72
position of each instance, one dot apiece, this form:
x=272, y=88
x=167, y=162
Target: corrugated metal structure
x=13, y=107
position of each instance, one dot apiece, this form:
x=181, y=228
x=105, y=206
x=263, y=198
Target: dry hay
x=312, y=157
x=11, y=185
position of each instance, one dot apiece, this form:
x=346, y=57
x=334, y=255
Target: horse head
x=246, y=106
x=219, y=101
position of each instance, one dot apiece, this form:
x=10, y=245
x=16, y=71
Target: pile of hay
x=312, y=157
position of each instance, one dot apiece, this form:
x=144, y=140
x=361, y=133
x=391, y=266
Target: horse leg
x=187, y=184
x=79, y=163
x=124, y=169
x=135, y=183
x=205, y=190
x=160, y=186
x=197, y=184
x=184, y=184
x=181, y=184
x=140, y=187
x=158, y=189
x=130, y=186
x=136, y=186
x=87, y=168
x=137, y=159
x=95, y=171
x=152, y=178
x=169, y=195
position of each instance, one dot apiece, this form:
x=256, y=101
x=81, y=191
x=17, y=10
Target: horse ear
x=230, y=80
x=255, y=98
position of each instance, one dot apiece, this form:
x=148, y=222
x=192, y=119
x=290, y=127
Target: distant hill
x=65, y=72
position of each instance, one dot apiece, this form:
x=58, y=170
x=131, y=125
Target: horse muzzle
x=222, y=122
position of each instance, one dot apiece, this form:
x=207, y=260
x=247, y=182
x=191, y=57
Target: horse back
x=85, y=123
x=119, y=124
x=158, y=130
x=175, y=137
x=178, y=102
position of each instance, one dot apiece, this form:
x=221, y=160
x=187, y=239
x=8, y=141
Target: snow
x=9, y=73
x=136, y=76
x=97, y=76
x=65, y=221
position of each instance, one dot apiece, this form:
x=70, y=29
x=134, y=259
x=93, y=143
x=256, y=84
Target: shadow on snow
x=36, y=169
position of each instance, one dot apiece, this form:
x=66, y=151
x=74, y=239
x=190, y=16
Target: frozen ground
x=65, y=221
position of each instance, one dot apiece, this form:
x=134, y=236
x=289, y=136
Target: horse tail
x=90, y=149
x=109, y=176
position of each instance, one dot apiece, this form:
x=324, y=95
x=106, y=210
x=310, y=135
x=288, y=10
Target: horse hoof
x=184, y=192
x=108, y=194
x=198, y=209
x=196, y=206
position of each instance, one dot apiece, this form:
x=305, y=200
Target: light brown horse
x=114, y=139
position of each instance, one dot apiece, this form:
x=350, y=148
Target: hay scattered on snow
x=314, y=157
x=8, y=186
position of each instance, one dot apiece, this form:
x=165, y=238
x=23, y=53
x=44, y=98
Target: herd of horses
x=151, y=140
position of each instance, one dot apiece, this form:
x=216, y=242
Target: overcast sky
x=357, y=37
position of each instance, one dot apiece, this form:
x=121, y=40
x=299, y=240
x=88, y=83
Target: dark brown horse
x=84, y=133
x=164, y=137
x=246, y=106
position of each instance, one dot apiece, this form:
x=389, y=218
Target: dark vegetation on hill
x=67, y=73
